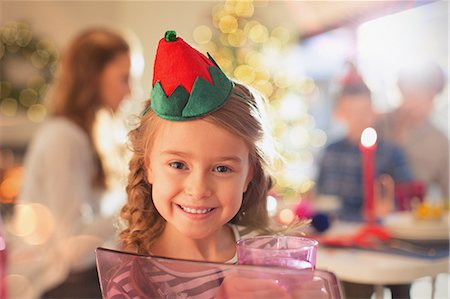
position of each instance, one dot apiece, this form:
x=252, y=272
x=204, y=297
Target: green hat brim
x=204, y=98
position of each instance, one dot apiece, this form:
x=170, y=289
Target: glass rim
x=310, y=242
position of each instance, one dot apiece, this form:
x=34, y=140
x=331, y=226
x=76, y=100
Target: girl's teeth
x=196, y=211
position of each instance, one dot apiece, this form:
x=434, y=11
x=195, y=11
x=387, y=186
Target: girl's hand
x=238, y=287
x=235, y=286
x=314, y=288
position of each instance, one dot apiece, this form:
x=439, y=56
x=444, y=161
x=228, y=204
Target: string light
x=18, y=44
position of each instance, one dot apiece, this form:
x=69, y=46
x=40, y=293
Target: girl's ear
x=149, y=174
x=248, y=179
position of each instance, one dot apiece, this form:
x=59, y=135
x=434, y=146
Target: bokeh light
x=228, y=24
x=286, y=216
x=28, y=97
x=8, y=107
x=10, y=186
x=258, y=33
x=368, y=137
x=37, y=113
x=25, y=221
x=237, y=38
x=292, y=108
x=272, y=205
x=244, y=9
x=318, y=138
x=282, y=34
x=34, y=223
x=45, y=226
x=202, y=34
x=244, y=73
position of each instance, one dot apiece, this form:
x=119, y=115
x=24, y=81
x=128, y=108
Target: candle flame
x=368, y=137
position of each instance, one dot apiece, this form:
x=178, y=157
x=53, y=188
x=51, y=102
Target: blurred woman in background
x=64, y=175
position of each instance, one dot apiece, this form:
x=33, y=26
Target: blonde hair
x=243, y=115
x=76, y=91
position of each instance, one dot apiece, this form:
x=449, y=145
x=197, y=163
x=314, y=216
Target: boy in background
x=340, y=169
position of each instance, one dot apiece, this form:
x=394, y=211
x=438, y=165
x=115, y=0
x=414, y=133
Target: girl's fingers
x=234, y=287
x=314, y=288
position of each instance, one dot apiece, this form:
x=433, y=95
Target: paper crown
x=186, y=84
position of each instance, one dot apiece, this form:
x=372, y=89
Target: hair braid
x=144, y=223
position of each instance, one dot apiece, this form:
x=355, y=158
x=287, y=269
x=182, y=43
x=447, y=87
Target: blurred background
x=293, y=52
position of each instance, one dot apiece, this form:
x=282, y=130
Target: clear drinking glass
x=283, y=251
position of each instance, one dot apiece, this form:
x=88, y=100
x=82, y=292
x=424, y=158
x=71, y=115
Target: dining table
x=398, y=250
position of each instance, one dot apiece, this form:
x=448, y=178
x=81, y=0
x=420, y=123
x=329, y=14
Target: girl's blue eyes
x=222, y=169
x=177, y=165
x=181, y=166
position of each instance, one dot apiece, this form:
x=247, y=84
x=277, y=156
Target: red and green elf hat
x=186, y=84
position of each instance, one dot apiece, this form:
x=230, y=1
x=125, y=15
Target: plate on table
x=403, y=225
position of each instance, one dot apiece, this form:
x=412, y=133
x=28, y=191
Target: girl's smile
x=199, y=211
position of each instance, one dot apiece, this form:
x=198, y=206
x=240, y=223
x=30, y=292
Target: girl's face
x=198, y=173
x=114, y=81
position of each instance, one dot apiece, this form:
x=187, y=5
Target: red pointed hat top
x=186, y=84
x=177, y=63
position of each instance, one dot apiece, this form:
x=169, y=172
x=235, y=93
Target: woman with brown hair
x=64, y=174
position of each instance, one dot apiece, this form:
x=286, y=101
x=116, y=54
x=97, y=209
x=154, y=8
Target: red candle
x=368, y=146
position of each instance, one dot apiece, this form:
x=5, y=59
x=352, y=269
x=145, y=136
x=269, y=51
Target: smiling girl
x=198, y=177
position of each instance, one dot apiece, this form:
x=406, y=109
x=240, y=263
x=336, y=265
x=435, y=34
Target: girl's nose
x=198, y=186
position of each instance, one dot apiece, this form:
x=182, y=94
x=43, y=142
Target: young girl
x=199, y=175
x=193, y=181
